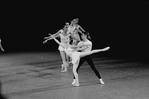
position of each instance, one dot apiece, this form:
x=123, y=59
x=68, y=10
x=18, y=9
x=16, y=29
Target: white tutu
x=60, y=48
x=73, y=54
x=75, y=57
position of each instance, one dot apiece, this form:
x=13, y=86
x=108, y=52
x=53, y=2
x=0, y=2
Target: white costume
x=63, y=40
x=73, y=54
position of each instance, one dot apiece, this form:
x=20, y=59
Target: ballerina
x=75, y=56
x=63, y=37
x=74, y=29
x=86, y=45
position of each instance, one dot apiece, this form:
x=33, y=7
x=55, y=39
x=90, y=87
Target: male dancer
x=86, y=46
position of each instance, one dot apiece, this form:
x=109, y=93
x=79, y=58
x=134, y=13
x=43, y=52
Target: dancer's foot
x=101, y=81
x=62, y=67
x=73, y=82
x=76, y=84
x=65, y=70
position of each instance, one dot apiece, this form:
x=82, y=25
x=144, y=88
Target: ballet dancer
x=75, y=56
x=74, y=25
x=63, y=37
x=1, y=46
x=86, y=45
x=74, y=29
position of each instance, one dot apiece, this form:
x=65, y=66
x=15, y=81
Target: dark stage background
x=121, y=24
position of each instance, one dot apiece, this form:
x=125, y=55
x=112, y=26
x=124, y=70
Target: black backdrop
x=120, y=24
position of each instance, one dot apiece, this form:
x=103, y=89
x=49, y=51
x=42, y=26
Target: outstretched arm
x=50, y=38
x=80, y=46
x=80, y=29
x=75, y=38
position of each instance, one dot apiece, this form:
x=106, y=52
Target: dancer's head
x=66, y=27
x=74, y=21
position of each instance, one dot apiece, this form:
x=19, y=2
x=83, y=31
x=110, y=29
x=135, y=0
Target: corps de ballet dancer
x=75, y=56
x=74, y=29
x=69, y=31
x=62, y=33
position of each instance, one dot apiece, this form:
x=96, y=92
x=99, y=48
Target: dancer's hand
x=2, y=49
x=48, y=38
x=105, y=49
x=45, y=42
x=52, y=36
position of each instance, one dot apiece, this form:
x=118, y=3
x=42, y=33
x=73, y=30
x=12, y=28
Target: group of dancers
x=76, y=48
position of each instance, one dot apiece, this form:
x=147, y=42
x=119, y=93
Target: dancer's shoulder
x=88, y=42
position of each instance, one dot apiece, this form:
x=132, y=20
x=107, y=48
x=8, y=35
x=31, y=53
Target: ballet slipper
x=62, y=67
x=76, y=85
x=74, y=81
x=101, y=81
x=65, y=70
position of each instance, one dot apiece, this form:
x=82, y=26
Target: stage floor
x=37, y=76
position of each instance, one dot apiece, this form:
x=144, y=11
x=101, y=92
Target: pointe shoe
x=73, y=82
x=62, y=67
x=76, y=85
x=101, y=81
x=65, y=70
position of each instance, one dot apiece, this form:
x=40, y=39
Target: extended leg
x=83, y=54
x=93, y=51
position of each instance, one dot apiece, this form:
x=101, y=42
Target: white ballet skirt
x=63, y=40
x=75, y=56
x=60, y=48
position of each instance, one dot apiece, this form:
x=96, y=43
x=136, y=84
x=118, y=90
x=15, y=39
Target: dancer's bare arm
x=80, y=46
x=80, y=29
x=50, y=38
x=83, y=47
x=75, y=38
